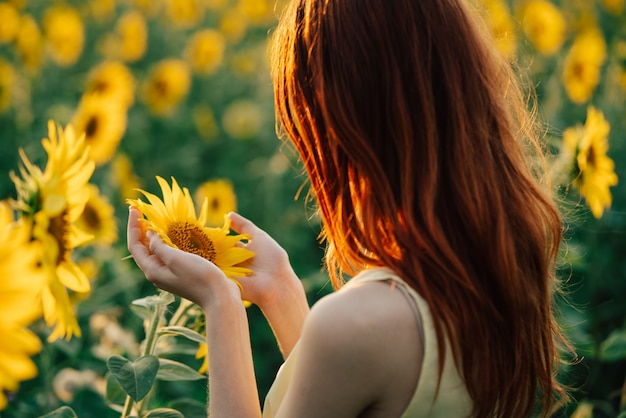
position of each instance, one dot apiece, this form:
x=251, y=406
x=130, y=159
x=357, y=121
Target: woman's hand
x=187, y=275
x=273, y=286
x=272, y=275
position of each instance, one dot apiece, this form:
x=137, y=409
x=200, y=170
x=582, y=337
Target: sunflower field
x=174, y=98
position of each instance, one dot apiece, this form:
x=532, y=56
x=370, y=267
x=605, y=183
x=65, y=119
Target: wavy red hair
x=423, y=157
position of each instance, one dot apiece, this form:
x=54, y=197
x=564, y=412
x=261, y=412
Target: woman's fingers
x=242, y=225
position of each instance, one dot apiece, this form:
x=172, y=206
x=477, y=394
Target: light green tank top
x=452, y=400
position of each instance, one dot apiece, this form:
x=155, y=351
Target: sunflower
x=102, y=10
x=52, y=201
x=594, y=171
x=167, y=84
x=10, y=18
x=21, y=282
x=103, y=122
x=582, y=65
x=500, y=22
x=233, y=25
x=185, y=13
x=29, y=43
x=221, y=197
x=113, y=81
x=174, y=219
x=205, y=51
x=65, y=33
x=133, y=36
x=7, y=80
x=258, y=12
x=204, y=121
x=98, y=218
x=544, y=25
x=242, y=119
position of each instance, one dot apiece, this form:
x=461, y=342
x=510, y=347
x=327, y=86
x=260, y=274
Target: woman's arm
x=232, y=384
x=273, y=286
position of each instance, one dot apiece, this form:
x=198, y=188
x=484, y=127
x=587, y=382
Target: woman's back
x=384, y=344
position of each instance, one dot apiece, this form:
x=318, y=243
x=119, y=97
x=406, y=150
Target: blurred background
x=181, y=88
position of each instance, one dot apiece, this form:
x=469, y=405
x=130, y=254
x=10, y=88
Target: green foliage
x=136, y=377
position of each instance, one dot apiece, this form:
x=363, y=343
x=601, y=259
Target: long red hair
x=423, y=157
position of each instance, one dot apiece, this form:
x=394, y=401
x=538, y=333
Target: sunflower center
x=92, y=127
x=101, y=87
x=91, y=218
x=160, y=86
x=59, y=228
x=215, y=203
x=192, y=239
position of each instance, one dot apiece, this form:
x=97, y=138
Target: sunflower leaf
x=183, y=332
x=164, y=413
x=171, y=370
x=135, y=377
x=150, y=302
x=614, y=347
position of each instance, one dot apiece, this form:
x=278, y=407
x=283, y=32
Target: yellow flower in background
x=581, y=69
x=257, y=12
x=21, y=284
x=103, y=122
x=29, y=43
x=202, y=354
x=233, y=25
x=167, y=84
x=544, y=25
x=10, y=18
x=613, y=6
x=102, y=10
x=65, y=34
x=500, y=22
x=174, y=219
x=594, y=171
x=113, y=81
x=204, y=121
x=53, y=200
x=221, y=197
x=20, y=4
x=584, y=410
x=147, y=7
x=205, y=51
x=98, y=218
x=124, y=177
x=215, y=5
x=185, y=13
x=7, y=79
x=133, y=36
x=242, y=119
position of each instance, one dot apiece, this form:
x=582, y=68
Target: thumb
x=242, y=225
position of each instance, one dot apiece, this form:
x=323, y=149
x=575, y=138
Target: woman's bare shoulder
x=366, y=337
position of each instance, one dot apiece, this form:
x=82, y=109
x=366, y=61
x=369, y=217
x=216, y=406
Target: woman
x=424, y=164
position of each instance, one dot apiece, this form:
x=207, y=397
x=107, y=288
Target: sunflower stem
x=180, y=316
x=128, y=406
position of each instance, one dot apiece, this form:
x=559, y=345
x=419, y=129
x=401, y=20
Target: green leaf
x=141, y=311
x=135, y=377
x=174, y=371
x=62, y=412
x=183, y=332
x=164, y=413
x=115, y=393
x=150, y=302
x=190, y=408
x=622, y=415
x=614, y=347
